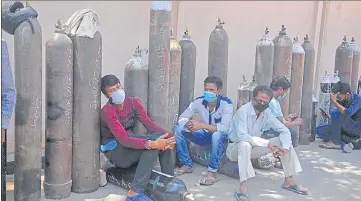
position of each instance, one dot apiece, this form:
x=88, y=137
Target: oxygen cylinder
x=136, y=83
x=252, y=85
x=334, y=80
x=324, y=100
x=86, y=108
x=307, y=89
x=59, y=110
x=159, y=61
x=283, y=61
x=359, y=86
x=161, y=187
x=314, y=118
x=28, y=110
x=264, y=60
x=243, y=92
x=218, y=54
x=201, y=155
x=298, y=62
x=343, y=61
x=188, y=70
x=174, y=82
x=355, y=64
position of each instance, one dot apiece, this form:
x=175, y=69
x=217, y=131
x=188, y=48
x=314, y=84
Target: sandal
x=208, y=181
x=329, y=145
x=296, y=189
x=241, y=196
x=182, y=170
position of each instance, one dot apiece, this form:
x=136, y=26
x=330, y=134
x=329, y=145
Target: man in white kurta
x=247, y=127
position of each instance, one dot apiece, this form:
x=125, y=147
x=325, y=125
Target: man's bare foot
x=210, y=179
x=132, y=193
x=182, y=170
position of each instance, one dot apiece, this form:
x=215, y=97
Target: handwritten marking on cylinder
x=36, y=107
x=94, y=82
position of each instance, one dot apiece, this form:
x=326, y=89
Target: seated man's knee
x=218, y=137
x=244, y=146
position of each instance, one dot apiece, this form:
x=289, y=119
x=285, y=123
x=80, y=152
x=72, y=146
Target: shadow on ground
x=328, y=174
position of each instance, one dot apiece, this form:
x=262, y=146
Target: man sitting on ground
x=123, y=148
x=345, y=127
x=215, y=112
x=245, y=140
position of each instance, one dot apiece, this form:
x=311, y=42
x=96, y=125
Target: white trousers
x=244, y=151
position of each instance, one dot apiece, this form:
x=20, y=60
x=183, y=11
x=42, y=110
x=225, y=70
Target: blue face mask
x=209, y=96
x=279, y=98
x=118, y=97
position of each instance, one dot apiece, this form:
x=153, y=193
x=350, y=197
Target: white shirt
x=245, y=126
x=221, y=115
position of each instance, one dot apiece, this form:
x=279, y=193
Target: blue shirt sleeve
x=275, y=108
x=354, y=106
x=8, y=93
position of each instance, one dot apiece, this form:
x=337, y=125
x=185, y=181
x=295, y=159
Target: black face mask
x=260, y=107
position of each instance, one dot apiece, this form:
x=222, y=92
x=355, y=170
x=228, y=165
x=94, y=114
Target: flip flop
x=181, y=171
x=241, y=196
x=208, y=181
x=328, y=146
x=296, y=189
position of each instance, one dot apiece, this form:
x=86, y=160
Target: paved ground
x=329, y=174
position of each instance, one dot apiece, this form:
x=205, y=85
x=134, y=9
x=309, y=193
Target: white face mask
x=118, y=96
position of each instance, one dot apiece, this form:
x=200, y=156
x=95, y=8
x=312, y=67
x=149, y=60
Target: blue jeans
x=340, y=125
x=202, y=138
x=272, y=133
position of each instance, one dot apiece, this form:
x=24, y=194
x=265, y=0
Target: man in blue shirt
x=345, y=127
x=215, y=112
x=280, y=86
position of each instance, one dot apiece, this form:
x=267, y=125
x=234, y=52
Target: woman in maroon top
x=122, y=147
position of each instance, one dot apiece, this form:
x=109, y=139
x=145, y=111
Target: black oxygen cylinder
x=59, y=113
x=252, y=85
x=343, y=61
x=188, y=71
x=159, y=61
x=136, y=83
x=283, y=61
x=161, y=187
x=355, y=64
x=28, y=110
x=264, y=60
x=307, y=89
x=298, y=61
x=86, y=112
x=218, y=54
x=174, y=82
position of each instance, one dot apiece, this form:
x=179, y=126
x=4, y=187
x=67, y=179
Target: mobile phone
x=170, y=135
x=293, y=118
x=324, y=113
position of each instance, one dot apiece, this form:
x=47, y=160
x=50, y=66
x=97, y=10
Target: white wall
x=124, y=25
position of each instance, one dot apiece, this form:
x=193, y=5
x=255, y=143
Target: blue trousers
x=202, y=138
x=341, y=128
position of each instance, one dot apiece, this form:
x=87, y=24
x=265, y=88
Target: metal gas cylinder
x=283, y=61
x=252, y=85
x=324, y=100
x=343, y=61
x=174, y=82
x=188, y=70
x=159, y=61
x=264, y=60
x=218, y=54
x=243, y=93
x=59, y=110
x=298, y=62
x=307, y=88
x=136, y=83
x=355, y=64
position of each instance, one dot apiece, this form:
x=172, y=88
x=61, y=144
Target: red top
x=118, y=124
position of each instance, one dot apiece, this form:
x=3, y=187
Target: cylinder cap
x=220, y=23
x=306, y=39
x=283, y=31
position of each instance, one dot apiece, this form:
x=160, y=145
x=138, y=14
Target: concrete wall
x=245, y=24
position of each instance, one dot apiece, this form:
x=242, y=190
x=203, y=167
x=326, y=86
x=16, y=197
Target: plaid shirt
x=8, y=93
